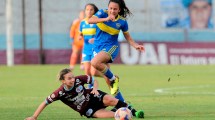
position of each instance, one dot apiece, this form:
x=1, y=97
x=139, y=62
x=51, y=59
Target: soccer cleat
x=114, y=87
x=139, y=114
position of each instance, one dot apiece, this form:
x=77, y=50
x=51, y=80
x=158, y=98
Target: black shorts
x=95, y=103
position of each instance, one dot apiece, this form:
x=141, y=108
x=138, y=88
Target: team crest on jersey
x=79, y=88
x=118, y=25
x=61, y=93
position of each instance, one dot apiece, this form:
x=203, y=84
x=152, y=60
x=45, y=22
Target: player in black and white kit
x=88, y=102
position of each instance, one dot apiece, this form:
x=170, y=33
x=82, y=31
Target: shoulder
x=101, y=12
x=82, y=78
x=58, y=92
x=122, y=18
x=84, y=21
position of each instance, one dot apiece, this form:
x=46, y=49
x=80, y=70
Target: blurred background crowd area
x=175, y=21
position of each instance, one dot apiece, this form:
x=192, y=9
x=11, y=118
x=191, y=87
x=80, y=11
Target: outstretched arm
x=94, y=19
x=38, y=111
x=133, y=43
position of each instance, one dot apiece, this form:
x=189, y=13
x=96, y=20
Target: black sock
x=121, y=104
x=133, y=111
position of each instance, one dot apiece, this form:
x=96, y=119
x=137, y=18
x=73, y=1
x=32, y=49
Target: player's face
x=89, y=11
x=113, y=8
x=200, y=12
x=69, y=80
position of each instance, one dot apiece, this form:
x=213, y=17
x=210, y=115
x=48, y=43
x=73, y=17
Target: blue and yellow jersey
x=88, y=31
x=107, y=32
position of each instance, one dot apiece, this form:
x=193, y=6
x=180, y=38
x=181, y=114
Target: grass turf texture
x=183, y=92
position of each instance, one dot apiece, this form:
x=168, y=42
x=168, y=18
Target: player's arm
x=38, y=111
x=132, y=42
x=95, y=19
x=73, y=28
x=81, y=36
x=95, y=88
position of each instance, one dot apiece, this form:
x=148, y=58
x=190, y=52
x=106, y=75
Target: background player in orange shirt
x=77, y=42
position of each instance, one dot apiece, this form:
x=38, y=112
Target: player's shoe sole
x=114, y=87
x=139, y=114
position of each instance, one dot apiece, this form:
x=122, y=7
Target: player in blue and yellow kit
x=106, y=46
x=88, y=31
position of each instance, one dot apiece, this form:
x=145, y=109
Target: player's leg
x=74, y=56
x=103, y=113
x=87, y=66
x=87, y=70
x=96, y=73
x=81, y=65
x=99, y=62
x=108, y=100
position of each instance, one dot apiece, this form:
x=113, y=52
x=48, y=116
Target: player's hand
x=31, y=118
x=111, y=17
x=139, y=47
x=95, y=92
x=80, y=37
x=91, y=40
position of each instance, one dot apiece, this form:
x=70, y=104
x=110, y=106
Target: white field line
x=185, y=90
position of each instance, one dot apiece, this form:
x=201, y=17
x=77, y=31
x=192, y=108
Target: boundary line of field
x=184, y=90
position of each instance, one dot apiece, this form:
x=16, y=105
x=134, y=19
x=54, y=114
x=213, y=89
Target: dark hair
x=62, y=73
x=94, y=7
x=124, y=10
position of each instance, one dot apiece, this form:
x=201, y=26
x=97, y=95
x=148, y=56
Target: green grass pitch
x=163, y=92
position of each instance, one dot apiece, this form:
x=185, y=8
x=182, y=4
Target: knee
x=95, y=64
x=111, y=101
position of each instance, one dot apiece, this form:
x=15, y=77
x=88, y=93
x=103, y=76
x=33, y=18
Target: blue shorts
x=112, y=51
x=86, y=58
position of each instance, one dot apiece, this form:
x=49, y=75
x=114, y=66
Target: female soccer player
x=88, y=102
x=77, y=44
x=106, y=46
x=88, y=31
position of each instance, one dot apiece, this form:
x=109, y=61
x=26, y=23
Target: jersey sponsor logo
x=89, y=112
x=79, y=96
x=68, y=96
x=79, y=88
